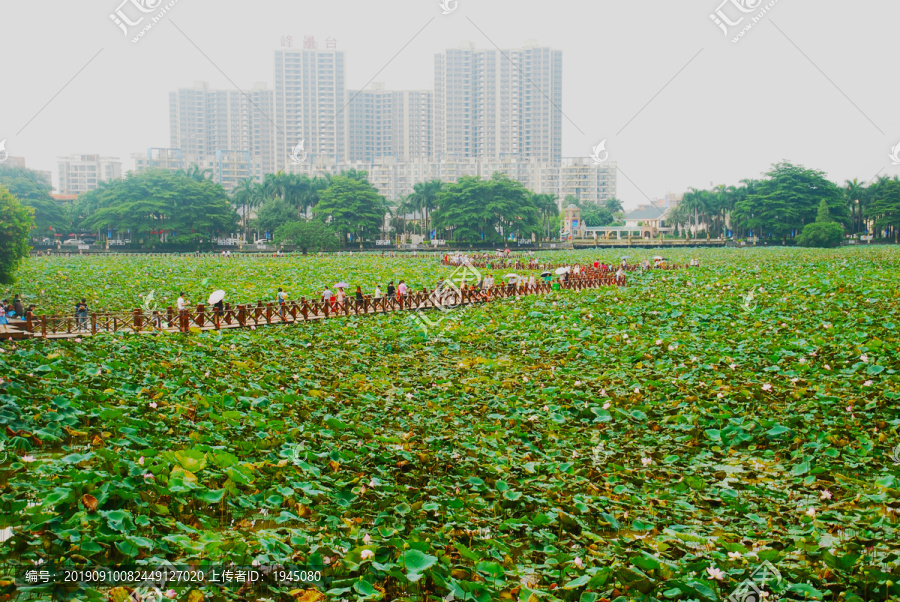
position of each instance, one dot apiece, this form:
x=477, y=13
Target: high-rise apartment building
x=309, y=100
x=492, y=104
x=83, y=173
x=170, y=159
x=205, y=122
x=389, y=123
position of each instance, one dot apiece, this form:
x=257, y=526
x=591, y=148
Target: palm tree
x=695, y=202
x=195, y=173
x=243, y=196
x=549, y=209
x=614, y=205
x=424, y=198
x=857, y=196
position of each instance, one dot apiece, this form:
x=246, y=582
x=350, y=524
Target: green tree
x=424, y=199
x=614, y=206
x=823, y=232
x=494, y=209
x=275, y=213
x=33, y=191
x=884, y=207
x=308, y=235
x=352, y=207
x=247, y=195
x=15, y=226
x=788, y=200
x=172, y=207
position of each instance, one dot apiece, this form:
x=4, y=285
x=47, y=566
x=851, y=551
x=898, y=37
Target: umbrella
x=625, y=256
x=546, y=273
x=657, y=257
x=562, y=270
x=511, y=276
x=216, y=296
x=341, y=285
x=506, y=250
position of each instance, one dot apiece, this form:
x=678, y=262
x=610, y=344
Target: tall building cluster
x=489, y=111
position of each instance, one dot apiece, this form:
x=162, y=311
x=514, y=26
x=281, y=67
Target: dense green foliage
x=162, y=206
x=33, y=191
x=15, y=226
x=308, y=235
x=474, y=210
x=610, y=444
x=352, y=206
x=823, y=232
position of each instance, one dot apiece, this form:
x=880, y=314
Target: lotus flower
x=578, y=563
x=715, y=573
x=366, y=554
x=367, y=539
x=811, y=512
x=646, y=461
x=170, y=594
x=825, y=495
x=734, y=555
x=141, y=460
x=767, y=387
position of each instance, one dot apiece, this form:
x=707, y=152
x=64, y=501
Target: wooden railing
x=261, y=313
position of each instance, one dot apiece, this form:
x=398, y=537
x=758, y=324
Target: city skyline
x=679, y=103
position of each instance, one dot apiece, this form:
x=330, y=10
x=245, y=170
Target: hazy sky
x=680, y=104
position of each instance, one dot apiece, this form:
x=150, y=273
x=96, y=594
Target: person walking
x=377, y=292
x=340, y=299
x=390, y=291
x=3, y=319
x=81, y=314
x=181, y=306
x=18, y=308
x=281, y=297
x=401, y=289
x=360, y=300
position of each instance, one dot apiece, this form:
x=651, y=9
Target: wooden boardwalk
x=203, y=318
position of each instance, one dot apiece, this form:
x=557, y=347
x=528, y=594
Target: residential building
x=493, y=103
x=83, y=173
x=389, y=123
x=203, y=122
x=309, y=98
x=170, y=159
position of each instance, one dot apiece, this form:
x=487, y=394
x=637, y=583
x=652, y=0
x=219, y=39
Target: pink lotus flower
x=170, y=594
x=811, y=512
x=367, y=539
x=607, y=405
x=327, y=560
x=825, y=495
x=28, y=459
x=153, y=404
x=827, y=367
x=868, y=383
x=148, y=475
x=767, y=387
x=141, y=460
x=734, y=555
x=78, y=339
x=646, y=461
x=366, y=554
x=659, y=341
x=545, y=408
x=578, y=563
x=715, y=573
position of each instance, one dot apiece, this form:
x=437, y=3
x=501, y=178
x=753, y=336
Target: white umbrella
x=511, y=276
x=562, y=270
x=216, y=296
x=657, y=257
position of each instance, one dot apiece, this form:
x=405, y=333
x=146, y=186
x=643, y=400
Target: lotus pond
x=661, y=441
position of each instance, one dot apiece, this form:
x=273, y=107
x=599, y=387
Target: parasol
x=216, y=296
x=562, y=270
x=546, y=273
x=341, y=285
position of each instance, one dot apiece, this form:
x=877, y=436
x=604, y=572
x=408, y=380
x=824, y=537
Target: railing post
x=304, y=308
x=29, y=326
x=43, y=326
x=268, y=313
x=137, y=320
x=242, y=315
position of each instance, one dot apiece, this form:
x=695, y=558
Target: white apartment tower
x=389, y=123
x=83, y=173
x=205, y=122
x=309, y=103
x=494, y=104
